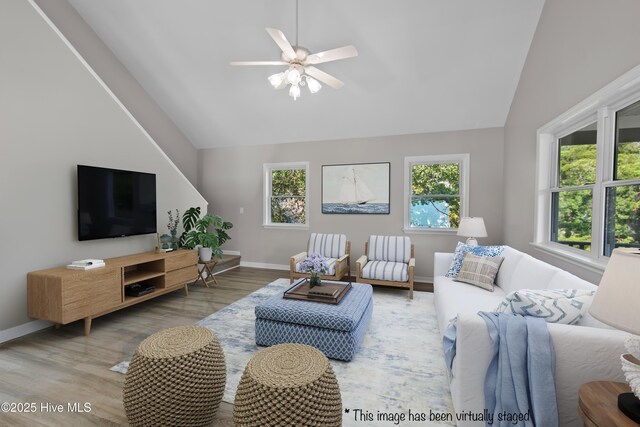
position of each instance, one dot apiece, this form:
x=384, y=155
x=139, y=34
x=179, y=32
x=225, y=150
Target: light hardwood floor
x=62, y=366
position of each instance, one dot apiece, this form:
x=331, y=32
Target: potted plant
x=197, y=234
x=315, y=265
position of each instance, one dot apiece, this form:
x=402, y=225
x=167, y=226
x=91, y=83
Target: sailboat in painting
x=354, y=191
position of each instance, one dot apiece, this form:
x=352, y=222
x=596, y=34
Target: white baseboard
x=264, y=265
x=24, y=329
x=226, y=269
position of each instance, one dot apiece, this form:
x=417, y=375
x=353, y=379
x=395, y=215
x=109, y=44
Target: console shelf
x=139, y=276
x=63, y=296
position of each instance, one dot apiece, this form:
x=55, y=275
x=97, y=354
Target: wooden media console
x=63, y=296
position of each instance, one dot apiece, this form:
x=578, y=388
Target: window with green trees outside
x=286, y=201
x=435, y=195
x=435, y=192
x=579, y=193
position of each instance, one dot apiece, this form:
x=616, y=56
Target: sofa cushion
x=479, y=270
x=452, y=297
x=386, y=270
x=389, y=248
x=463, y=248
x=529, y=273
x=328, y=245
x=331, y=264
x=553, y=305
x=511, y=259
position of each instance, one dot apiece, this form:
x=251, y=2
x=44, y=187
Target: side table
x=598, y=404
x=206, y=274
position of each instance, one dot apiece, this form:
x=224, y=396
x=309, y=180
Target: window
x=571, y=198
x=286, y=194
x=622, y=193
x=588, y=183
x=435, y=192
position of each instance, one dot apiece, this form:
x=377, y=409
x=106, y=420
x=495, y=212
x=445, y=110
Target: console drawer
x=91, y=293
x=180, y=260
x=181, y=276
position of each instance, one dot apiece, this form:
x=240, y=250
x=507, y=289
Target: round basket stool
x=176, y=378
x=288, y=385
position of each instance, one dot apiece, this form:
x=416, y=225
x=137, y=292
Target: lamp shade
x=472, y=227
x=617, y=300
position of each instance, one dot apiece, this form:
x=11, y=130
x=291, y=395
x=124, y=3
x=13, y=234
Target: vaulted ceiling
x=423, y=65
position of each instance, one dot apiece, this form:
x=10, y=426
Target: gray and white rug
x=399, y=367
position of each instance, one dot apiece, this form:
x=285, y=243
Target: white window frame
x=600, y=107
x=463, y=160
x=268, y=169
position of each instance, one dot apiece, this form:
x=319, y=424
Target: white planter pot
x=205, y=254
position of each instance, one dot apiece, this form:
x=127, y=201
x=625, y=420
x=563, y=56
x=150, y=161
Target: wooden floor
x=62, y=366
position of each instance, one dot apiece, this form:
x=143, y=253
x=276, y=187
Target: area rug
x=399, y=371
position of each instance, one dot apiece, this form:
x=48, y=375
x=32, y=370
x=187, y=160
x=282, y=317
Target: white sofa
x=586, y=351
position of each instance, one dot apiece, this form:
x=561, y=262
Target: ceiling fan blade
x=259, y=63
x=282, y=42
x=332, y=55
x=325, y=78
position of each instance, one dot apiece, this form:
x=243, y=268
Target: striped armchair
x=388, y=261
x=334, y=247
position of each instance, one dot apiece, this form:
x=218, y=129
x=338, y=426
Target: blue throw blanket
x=519, y=386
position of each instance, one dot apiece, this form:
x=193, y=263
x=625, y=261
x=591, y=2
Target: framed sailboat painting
x=361, y=188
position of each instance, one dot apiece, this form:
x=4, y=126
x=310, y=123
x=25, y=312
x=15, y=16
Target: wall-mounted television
x=115, y=203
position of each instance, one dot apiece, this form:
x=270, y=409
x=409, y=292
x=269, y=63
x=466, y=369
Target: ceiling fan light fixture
x=293, y=76
x=294, y=92
x=313, y=85
x=302, y=64
x=276, y=79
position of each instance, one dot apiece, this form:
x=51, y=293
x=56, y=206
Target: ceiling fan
x=301, y=63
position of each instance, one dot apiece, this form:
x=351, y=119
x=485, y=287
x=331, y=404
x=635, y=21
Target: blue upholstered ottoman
x=336, y=330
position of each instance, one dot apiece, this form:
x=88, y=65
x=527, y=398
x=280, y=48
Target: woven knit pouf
x=288, y=385
x=176, y=378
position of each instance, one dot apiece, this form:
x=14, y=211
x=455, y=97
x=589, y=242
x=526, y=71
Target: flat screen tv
x=115, y=203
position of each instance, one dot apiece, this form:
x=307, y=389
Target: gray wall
x=53, y=115
x=579, y=47
x=161, y=128
x=231, y=178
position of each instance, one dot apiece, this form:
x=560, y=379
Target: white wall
x=231, y=178
x=122, y=83
x=579, y=47
x=54, y=114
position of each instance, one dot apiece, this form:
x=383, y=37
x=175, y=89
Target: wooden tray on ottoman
x=327, y=292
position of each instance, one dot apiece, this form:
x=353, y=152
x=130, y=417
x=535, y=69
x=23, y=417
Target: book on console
x=85, y=267
x=89, y=261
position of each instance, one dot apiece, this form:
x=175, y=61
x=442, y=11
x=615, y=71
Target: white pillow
x=479, y=271
x=553, y=305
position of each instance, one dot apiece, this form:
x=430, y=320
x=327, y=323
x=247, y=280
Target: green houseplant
x=197, y=233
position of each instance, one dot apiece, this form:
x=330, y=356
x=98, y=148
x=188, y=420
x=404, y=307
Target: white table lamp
x=617, y=303
x=472, y=227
